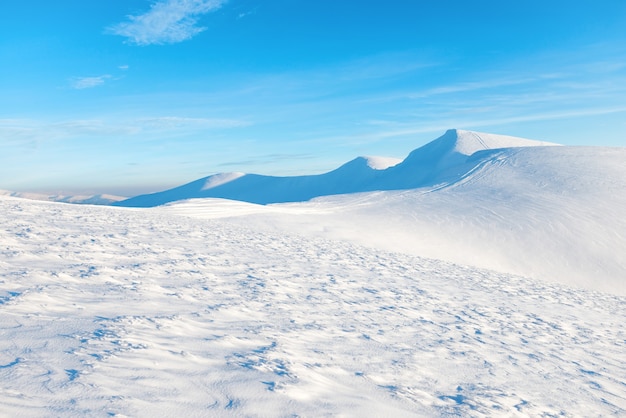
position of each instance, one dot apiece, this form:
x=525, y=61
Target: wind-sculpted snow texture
x=147, y=313
x=444, y=159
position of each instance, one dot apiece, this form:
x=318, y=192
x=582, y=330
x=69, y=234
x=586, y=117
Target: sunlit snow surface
x=488, y=279
x=145, y=312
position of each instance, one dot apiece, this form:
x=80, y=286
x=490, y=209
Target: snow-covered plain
x=495, y=289
x=136, y=312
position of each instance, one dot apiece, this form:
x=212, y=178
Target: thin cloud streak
x=469, y=87
x=27, y=131
x=266, y=160
x=174, y=122
x=80, y=83
x=437, y=125
x=167, y=22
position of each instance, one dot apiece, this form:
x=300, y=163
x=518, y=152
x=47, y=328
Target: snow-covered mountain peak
x=469, y=142
x=456, y=145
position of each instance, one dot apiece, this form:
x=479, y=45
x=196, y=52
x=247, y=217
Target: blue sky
x=131, y=96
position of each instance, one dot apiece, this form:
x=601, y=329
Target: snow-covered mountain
x=444, y=159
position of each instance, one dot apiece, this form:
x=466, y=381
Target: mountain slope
x=552, y=213
x=440, y=160
x=448, y=158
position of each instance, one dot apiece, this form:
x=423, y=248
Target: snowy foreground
x=178, y=311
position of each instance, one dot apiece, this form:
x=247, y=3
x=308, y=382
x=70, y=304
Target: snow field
x=126, y=312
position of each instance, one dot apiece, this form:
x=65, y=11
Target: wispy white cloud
x=470, y=86
x=395, y=129
x=177, y=122
x=29, y=131
x=80, y=83
x=242, y=15
x=167, y=22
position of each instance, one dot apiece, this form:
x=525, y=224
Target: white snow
x=456, y=145
x=220, y=179
x=381, y=163
x=469, y=142
x=496, y=288
x=136, y=312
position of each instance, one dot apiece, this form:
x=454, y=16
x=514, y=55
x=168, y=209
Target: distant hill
x=441, y=160
x=100, y=199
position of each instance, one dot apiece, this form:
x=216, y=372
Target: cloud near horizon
x=167, y=22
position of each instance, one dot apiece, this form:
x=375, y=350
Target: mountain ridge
x=440, y=160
